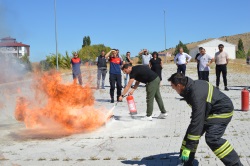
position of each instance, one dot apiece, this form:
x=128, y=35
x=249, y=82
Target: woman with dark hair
x=156, y=64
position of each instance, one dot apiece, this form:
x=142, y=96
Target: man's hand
x=120, y=98
x=185, y=155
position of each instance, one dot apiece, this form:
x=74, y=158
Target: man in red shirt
x=75, y=64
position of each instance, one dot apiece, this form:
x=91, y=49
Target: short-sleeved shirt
x=146, y=59
x=76, y=63
x=142, y=74
x=128, y=61
x=203, y=61
x=221, y=58
x=115, y=65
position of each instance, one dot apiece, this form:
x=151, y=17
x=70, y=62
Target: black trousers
x=221, y=69
x=204, y=75
x=221, y=147
x=181, y=69
x=198, y=71
x=115, y=79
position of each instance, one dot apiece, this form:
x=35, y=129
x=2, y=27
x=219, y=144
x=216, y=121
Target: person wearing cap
x=75, y=64
x=221, y=60
x=181, y=59
x=145, y=57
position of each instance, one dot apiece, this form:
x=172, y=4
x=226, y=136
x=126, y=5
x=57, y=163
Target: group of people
x=204, y=61
x=212, y=110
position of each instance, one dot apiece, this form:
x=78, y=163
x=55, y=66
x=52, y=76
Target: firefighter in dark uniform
x=212, y=110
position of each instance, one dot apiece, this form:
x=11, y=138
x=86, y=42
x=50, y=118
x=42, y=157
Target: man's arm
x=175, y=58
x=196, y=125
x=108, y=54
x=130, y=82
x=189, y=57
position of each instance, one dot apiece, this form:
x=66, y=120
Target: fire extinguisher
x=245, y=100
x=131, y=105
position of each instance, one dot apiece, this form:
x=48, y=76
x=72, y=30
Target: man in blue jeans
x=181, y=60
x=114, y=73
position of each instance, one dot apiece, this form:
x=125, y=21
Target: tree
x=240, y=45
x=185, y=49
x=86, y=41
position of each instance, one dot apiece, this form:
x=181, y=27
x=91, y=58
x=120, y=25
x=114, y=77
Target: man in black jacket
x=101, y=62
x=212, y=110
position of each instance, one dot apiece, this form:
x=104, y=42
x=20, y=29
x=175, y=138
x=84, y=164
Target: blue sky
x=129, y=25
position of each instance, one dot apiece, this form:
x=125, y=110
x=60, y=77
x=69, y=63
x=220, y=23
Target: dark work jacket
x=102, y=62
x=209, y=106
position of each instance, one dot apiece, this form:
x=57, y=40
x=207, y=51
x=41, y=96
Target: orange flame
x=60, y=106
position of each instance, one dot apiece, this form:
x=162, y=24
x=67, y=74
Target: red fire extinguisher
x=131, y=105
x=244, y=100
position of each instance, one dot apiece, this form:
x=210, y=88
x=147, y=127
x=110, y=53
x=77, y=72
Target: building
x=10, y=46
x=211, y=48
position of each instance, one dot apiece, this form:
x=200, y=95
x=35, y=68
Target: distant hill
x=245, y=37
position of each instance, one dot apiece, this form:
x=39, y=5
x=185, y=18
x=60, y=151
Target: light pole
x=56, y=35
x=165, y=29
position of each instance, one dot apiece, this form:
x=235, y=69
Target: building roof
x=215, y=43
x=13, y=44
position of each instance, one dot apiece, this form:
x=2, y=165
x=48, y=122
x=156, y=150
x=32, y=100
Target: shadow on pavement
x=103, y=100
x=165, y=159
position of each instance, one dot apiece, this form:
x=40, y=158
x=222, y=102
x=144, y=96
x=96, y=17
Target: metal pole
x=56, y=35
x=165, y=28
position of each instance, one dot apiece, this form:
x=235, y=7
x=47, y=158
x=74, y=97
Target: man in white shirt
x=181, y=60
x=204, y=62
x=145, y=57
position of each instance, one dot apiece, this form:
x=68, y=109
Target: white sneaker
x=162, y=116
x=147, y=118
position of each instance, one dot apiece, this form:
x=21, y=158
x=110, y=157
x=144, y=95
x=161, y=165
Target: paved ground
x=125, y=140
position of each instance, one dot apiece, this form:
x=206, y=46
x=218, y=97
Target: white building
x=211, y=48
x=10, y=46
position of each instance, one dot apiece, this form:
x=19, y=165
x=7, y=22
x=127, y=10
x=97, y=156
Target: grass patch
x=80, y=159
x=67, y=159
x=41, y=159
x=94, y=158
x=207, y=157
x=137, y=158
x=122, y=158
x=54, y=159
x=107, y=158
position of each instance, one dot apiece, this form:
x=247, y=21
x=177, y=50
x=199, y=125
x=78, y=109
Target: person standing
x=114, y=73
x=128, y=60
x=101, y=62
x=221, y=60
x=156, y=64
x=204, y=62
x=145, y=57
x=143, y=74
x=211, y=113
x=181, y=60
x=75, y=64
x=200, y=48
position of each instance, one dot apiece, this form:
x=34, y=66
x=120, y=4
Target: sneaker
x=162, y=116
x=112, y=100
x=226, y=88
x=147, y=118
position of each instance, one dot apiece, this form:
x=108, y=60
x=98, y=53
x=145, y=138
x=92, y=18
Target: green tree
x=185, y=49
x=240, y=54
x=240, y=45
x=26, y=61
x=86, y=41
x=248, y=53
x=89, y=53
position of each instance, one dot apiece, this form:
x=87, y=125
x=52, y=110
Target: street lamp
x=56, y=35
x=165, y=29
